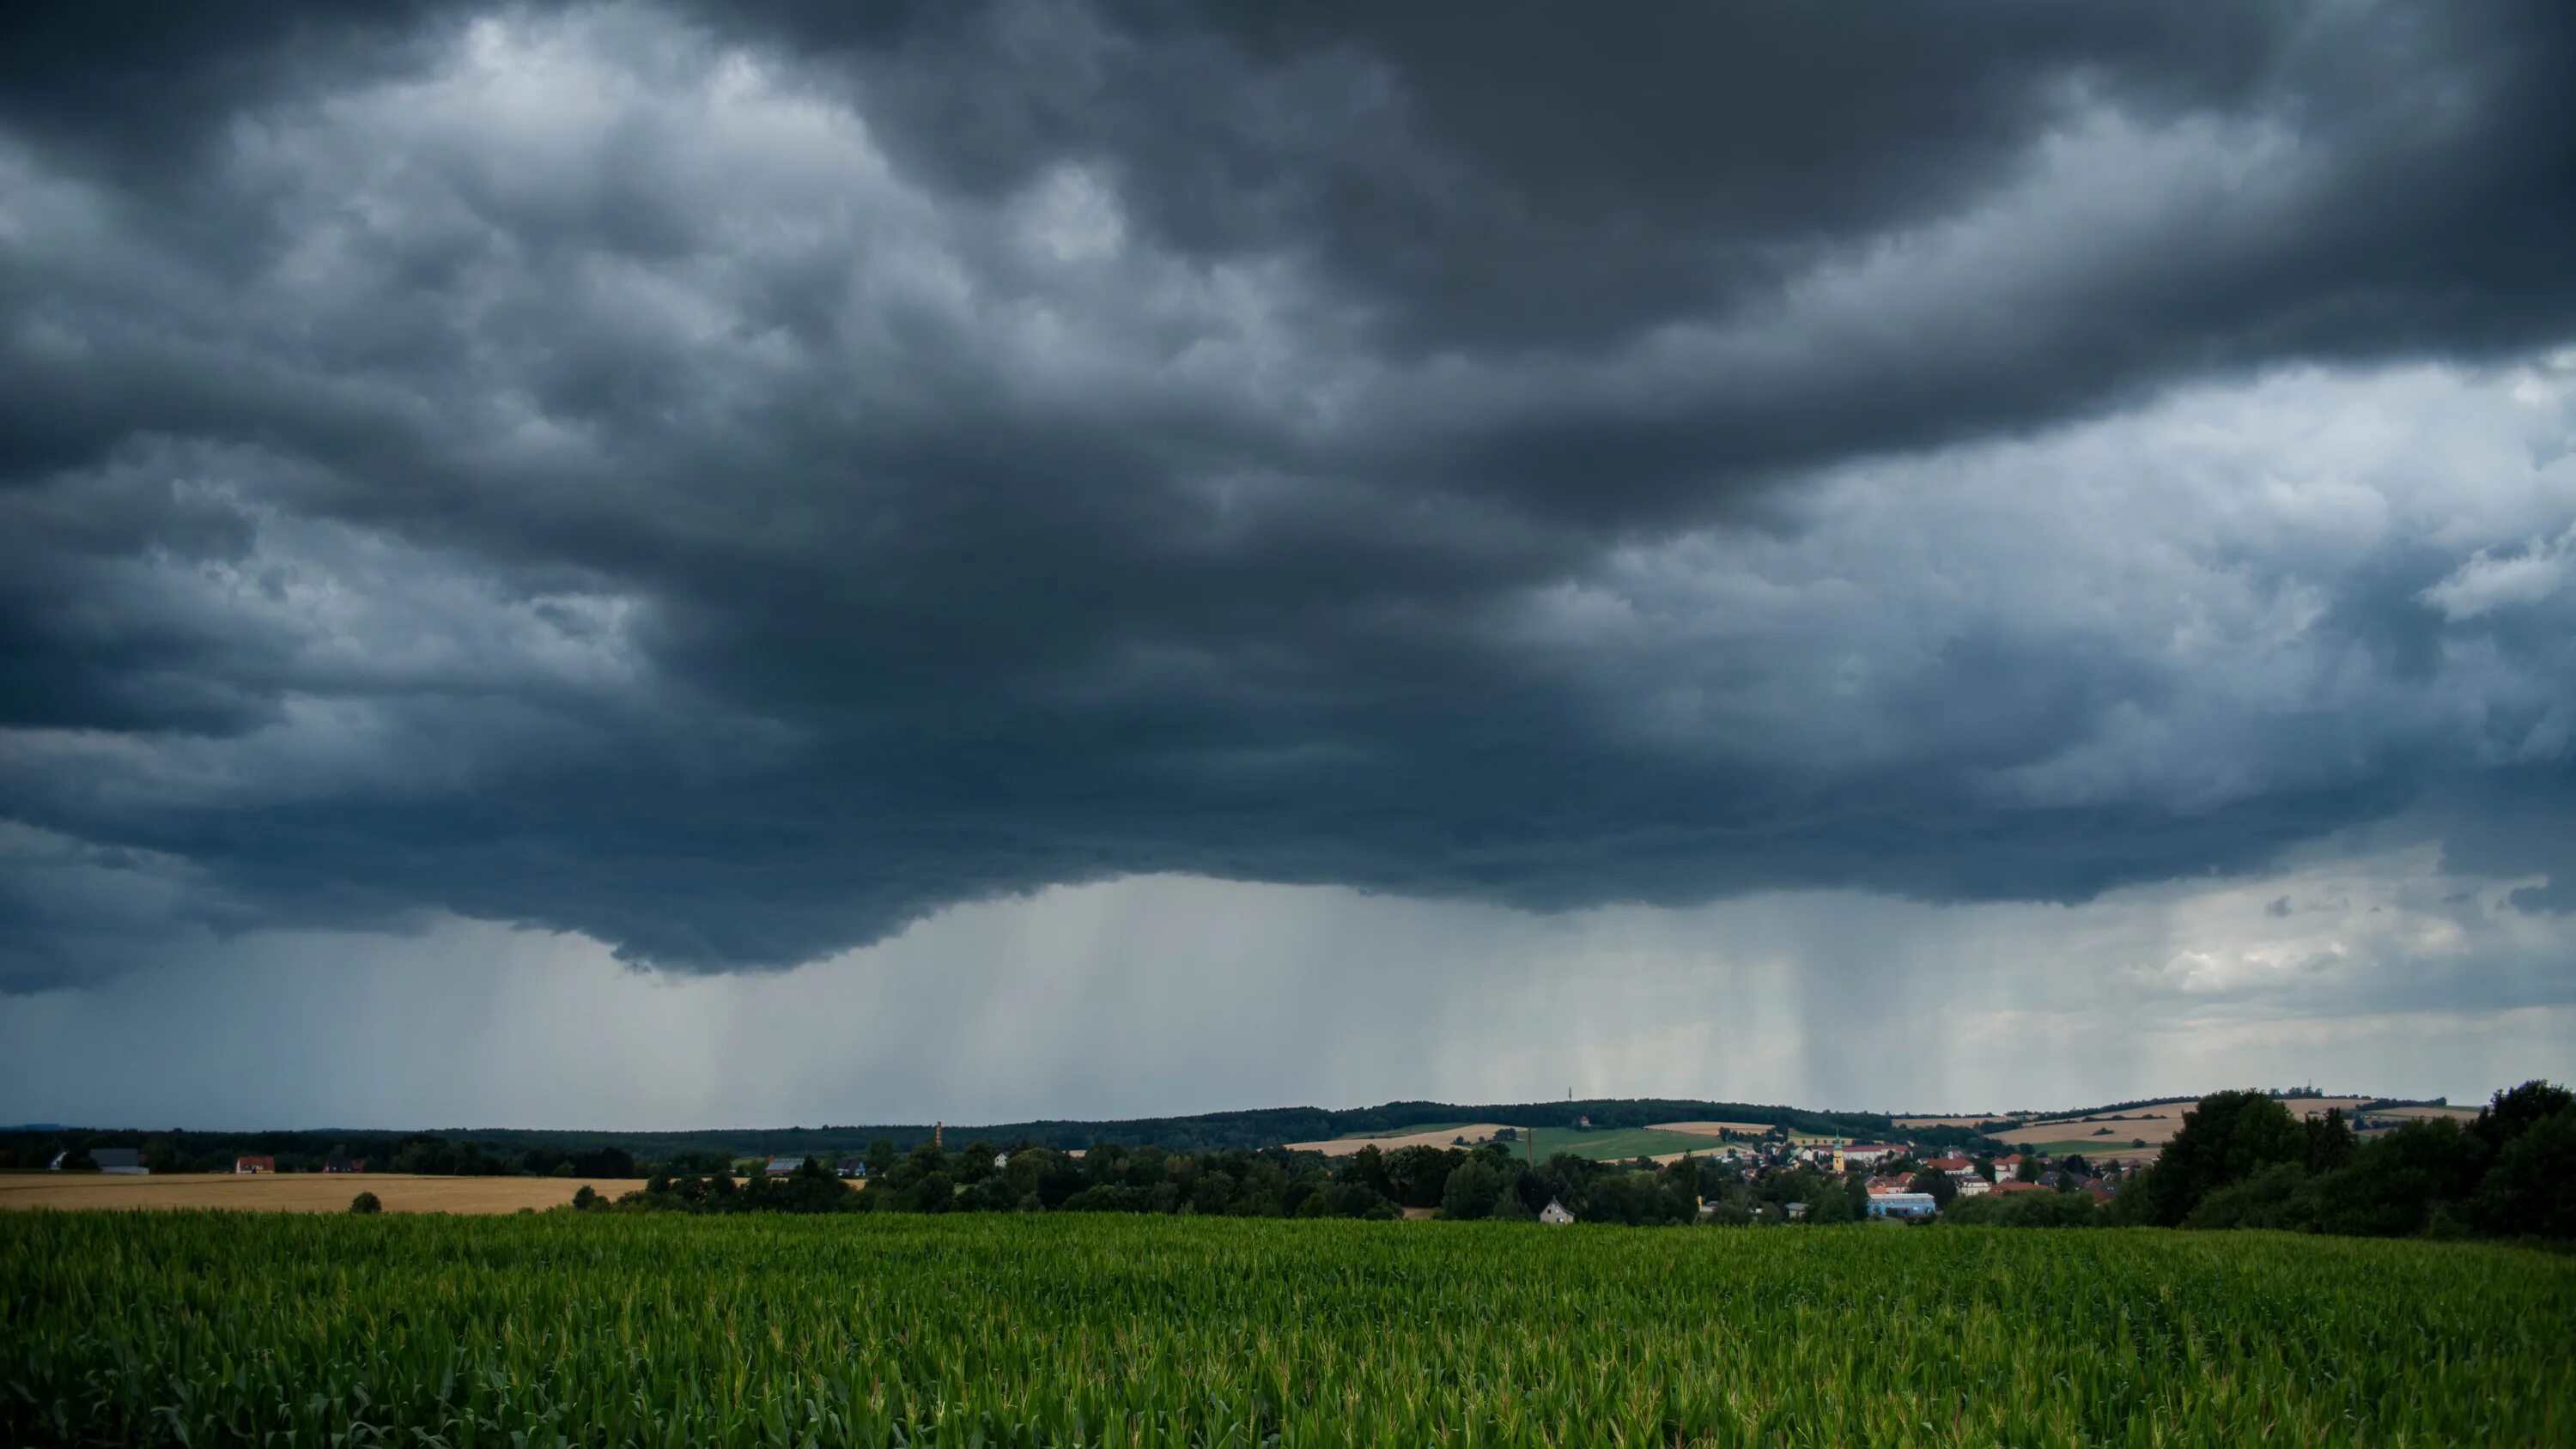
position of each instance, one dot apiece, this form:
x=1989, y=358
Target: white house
x=123, y=1161
x=1972, y=1185
x=1554, y=1212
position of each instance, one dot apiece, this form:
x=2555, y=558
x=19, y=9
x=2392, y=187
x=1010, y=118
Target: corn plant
x=1075, y=1330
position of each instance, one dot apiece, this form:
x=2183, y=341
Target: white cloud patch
x=2518, y=578
x=2148, y=607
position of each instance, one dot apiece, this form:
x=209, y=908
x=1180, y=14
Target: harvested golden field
x=1474, y=1132
x=2462, y=1115
x=299, y=1192
x=2152, y=1124
x=2102, y=1155
x=1970, y=1120
x=2155, y=1123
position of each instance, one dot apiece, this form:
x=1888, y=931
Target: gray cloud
x=730, y=482
x=1099, y=1001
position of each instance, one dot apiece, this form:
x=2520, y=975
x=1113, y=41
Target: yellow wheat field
x=1344, y=1146
x=298, y=1192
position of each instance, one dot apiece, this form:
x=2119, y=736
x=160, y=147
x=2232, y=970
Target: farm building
x=783, y=1166
x=1902, y=1205
x=1554, y=1212
x=344, y=1164
x=244, y=1166
x=123, y=1161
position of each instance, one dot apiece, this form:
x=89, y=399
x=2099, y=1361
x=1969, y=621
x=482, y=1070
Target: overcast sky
x=652, y=565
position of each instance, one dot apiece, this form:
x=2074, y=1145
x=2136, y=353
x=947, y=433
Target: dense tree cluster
x=436, y=1156
x=2241, y=1160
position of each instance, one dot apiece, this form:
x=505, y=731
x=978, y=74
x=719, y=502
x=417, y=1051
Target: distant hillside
x=1264, y=1127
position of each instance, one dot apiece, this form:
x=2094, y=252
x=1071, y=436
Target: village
x=1898, y=1183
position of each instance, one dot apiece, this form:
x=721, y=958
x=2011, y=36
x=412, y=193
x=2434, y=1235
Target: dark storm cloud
x=732, y=484
x=1517, y=185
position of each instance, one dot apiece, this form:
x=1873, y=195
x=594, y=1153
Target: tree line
x=420, y=1152
x=2243, y=1160
x=502, y=1151
x=1485, y=1181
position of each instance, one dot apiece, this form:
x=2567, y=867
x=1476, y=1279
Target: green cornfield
x=212, y=1328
